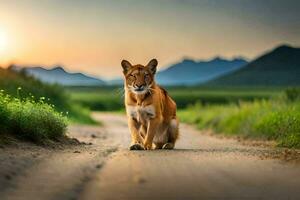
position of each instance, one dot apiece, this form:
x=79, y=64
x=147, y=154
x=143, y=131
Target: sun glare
x=3, y=41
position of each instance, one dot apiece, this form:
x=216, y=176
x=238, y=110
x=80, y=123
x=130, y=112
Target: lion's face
x=139, y=78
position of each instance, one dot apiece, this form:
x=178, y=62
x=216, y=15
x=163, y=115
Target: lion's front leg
x=151, y=130
x=137, y=140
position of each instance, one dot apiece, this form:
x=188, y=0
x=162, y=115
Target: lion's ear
x=126, y=66
x=152, y=65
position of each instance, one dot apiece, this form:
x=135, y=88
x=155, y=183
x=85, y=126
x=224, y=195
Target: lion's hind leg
x=172, y=133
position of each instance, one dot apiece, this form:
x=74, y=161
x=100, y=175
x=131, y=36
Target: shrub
x=27, y=119
x=267, y=119
x=23, y=86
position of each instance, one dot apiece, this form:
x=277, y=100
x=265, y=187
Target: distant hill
x=11, y=81
x=190, y=72
x=58, y=75
x=280, y=67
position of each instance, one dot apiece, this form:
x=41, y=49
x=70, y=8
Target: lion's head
x=139, y=78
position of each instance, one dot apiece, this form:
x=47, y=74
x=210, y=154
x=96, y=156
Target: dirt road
x=201, y=167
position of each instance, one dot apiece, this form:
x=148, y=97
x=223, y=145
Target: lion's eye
x=131, y=77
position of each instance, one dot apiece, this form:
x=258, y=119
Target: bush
x=23, y=86
x=3, y=112
x=282, y=125
x=266, y=119
x=27, y=119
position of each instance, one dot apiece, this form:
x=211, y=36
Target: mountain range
x=58, y=75
x=190, y=72
x=279, y=67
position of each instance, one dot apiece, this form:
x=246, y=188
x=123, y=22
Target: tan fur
x=151, y=112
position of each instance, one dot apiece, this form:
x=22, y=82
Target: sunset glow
x=3, y=41
x=94, y=36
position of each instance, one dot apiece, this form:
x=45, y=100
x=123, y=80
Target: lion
x=151, y=112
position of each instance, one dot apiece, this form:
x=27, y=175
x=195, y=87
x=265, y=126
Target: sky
x=94, y=36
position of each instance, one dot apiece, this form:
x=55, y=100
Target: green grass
x=188, y=96
x=99, y=98
x=251, y=112
x=111, y=98
x=32, y=120
x=23, y=86
x=275, y=119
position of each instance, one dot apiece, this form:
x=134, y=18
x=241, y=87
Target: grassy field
x=98, y=98
x=32, y=120
x=32, y=110
x=111, y=98
x=36, y=111
x=23, y=86
x=262, y=113
x=275, y=119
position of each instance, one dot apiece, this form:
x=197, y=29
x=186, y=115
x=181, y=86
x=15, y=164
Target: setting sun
x=3, y=41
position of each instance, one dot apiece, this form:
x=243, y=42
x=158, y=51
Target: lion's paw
x=136, y=147
x=168, y=146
